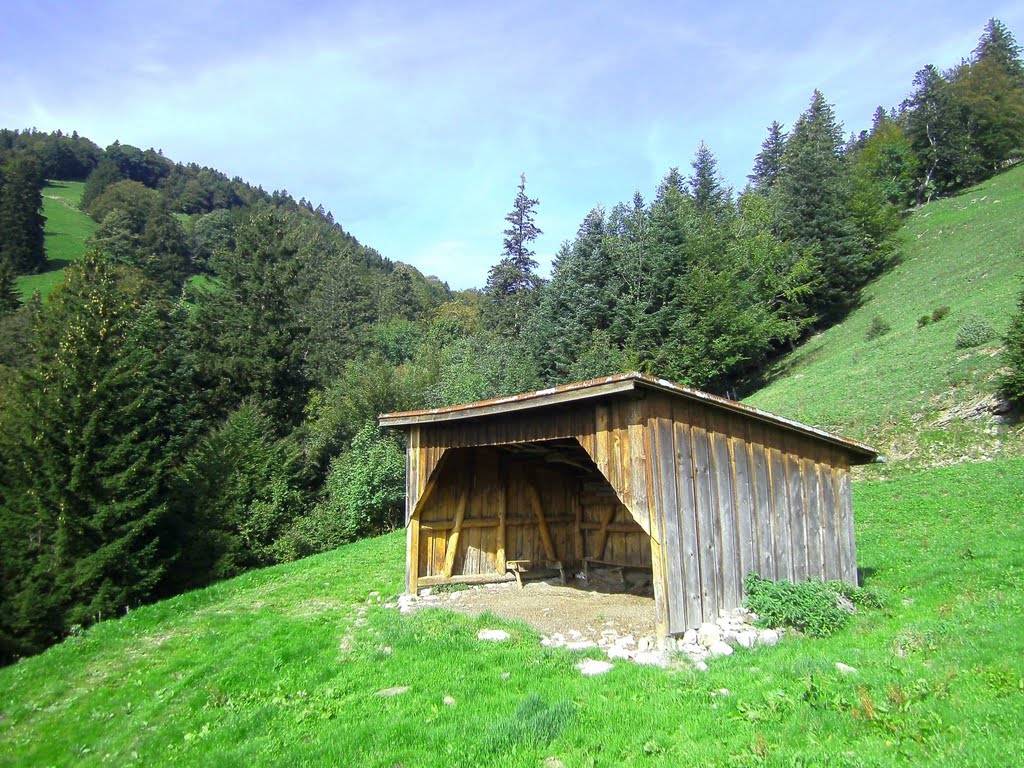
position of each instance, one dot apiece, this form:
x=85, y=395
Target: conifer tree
x=1012, y=382
x=512, y=283
x=705, y=183
x=813, y=193
x=768, y=163
x=10, y=297
x=21, y=219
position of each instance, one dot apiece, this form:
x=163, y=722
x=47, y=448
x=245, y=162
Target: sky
x=412, y=121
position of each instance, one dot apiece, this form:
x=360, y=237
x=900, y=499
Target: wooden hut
x=630, y=471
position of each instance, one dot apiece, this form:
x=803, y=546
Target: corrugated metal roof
x=604, y=387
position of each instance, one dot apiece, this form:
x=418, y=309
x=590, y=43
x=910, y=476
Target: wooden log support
x=502, y=521
x=602, y=534
x=542, y=523
x=453, y=539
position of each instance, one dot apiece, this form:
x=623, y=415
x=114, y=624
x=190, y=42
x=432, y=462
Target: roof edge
x=609, y=385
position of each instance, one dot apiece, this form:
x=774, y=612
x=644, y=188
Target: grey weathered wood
x=763, y=508
x=707, y=527
x=669, y=507
x=830, y=527
x=687, y=521
x=742, y=481
x=729, y=556
x=847, y=540
x=780, y=516
x=797, y=517
x=812, y=493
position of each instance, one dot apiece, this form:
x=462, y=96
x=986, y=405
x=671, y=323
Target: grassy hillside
x=281, y=667
x=66, y=231
x=910, y=391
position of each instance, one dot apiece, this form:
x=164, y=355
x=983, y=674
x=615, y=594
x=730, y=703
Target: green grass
x=276, y=668
x=909, y=391
x=67, y=229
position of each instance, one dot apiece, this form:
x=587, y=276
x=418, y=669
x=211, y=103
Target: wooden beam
x=453, y=539
x=412, y=556
x=428, y=489
x=475, y=578
x=502, y=517
x=538, y=510
x=602, y=536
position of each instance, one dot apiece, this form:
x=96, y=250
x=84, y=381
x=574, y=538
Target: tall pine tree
x=21, y=219
x=768, y=163
x=513, y=283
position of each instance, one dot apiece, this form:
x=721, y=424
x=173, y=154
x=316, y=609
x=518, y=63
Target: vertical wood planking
x=688, y=557
x=707, y=538
x=780, y=515
x=809, y=472
x=638, y=502
x=672, y=543
x=830, y=526
x=847, y=538
x=724, y=493
x=742, y=483
x=659, y=565
x=762, y=505
x=797, y=517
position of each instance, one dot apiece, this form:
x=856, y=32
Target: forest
x=198, y=397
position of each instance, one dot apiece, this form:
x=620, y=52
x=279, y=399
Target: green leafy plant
x=939, y=312
x=973, y=332
x=877, y=328
x=816, y=608
x=924, y=320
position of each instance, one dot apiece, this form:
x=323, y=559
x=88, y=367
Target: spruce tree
x=1012, y=382
x=513, y=283
x=10, y=296
x=768, y=163
x=21, y=219
x=705, y=183
x=813, y=194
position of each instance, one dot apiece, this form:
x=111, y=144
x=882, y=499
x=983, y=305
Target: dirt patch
x=550, y=608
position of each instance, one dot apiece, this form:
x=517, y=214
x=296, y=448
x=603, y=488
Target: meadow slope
x=281, y=667
x=911, y=392
x=67, y=229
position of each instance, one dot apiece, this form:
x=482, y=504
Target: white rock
x=609, y=633
x=398, y=690
x=625, y=642
x=619, y=653
x=374, y=594
x=690, y=637
x=651, y=659
x=496, y=635
x=575, y=634
x=720, y=692
x=506, y=675
x=708, y=634
x=580, y=645
x=746, y=639
x=700, y=666
x=646, y=644
x=449, y=701
x=425, y=592
x=558, y=637
x=768, y=637
x=718, y=648
x=846, y=669
x=592, y=667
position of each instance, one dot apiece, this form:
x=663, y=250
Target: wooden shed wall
x=720, y=494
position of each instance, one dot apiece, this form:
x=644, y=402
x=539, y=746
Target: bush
x=939, y=312
x=973, y=332
x=877, y=328
x=1011, y=384
x=923, y=320
x=815, y=608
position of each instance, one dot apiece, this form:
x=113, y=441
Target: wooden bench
x=588, y=561
x=519, y=567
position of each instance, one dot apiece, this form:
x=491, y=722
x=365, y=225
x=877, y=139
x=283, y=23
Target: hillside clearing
x=910, y=391
x=277, y=667
x=67, y=229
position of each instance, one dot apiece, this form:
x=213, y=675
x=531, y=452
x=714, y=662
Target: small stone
x=651, y=659
x=592, y=667
x=398, y=690
x=609, y=633
x=700, y=666
x=614, y=652
x=497, y=635
x=575, y=634
x=718, y=648
x=768, y=637
x=708, y=634
x=559, y=638
x=387, y=650
x=746, y=639
x=374, y=594
x=553, y=762
x=625, y=642
x=360, y=622
x=506, y=675
x=720, y=692
x=646, y=644
x=580, y=645
x=690, y=637
x=448, y=701
x=845, y=669
x=425, y=592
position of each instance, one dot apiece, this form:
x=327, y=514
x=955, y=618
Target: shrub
x=923, y=320
x=815, y=608
x=877, y=328
x=939, y=312
x=973, y=332
x=1011, y=384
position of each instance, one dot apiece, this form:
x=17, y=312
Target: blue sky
x=412, y=121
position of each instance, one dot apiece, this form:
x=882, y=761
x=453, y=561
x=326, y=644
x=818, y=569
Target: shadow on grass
x=865, y=575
